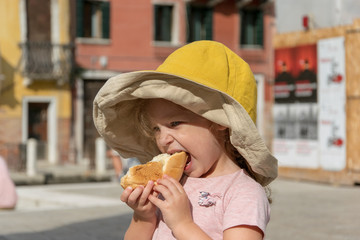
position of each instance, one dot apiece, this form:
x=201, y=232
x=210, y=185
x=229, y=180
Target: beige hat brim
x=114, y=116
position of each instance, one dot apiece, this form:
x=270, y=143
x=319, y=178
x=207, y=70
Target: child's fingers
x=156, y=201
x=176, y=183
x=136, y=193
x=155, y=194
x=164, y=190
x=171, y=185
x=125, y=194
x=145, y=194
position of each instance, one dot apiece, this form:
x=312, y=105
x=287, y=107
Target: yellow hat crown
x=214, y=65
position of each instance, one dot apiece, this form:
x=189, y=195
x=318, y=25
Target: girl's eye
x=156, y=129
x=174, y=124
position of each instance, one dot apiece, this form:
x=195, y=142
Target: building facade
x=35, y=94
x=56, y=55
x=316, y=116
x=115, y=37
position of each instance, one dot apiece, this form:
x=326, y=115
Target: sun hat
x=205, y=77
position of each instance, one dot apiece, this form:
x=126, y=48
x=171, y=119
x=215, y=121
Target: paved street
x=93, y=211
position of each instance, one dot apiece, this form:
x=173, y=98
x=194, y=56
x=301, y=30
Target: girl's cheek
x=160, y=147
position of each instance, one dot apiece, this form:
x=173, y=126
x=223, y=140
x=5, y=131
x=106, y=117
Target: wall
x=13, y=90
x=131, y=47
x=322, y=13
x=351, y=33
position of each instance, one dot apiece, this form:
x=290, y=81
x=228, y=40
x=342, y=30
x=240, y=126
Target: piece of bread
x=171, y=165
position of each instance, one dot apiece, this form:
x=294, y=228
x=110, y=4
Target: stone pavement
x=300, y=210
x=47, y=173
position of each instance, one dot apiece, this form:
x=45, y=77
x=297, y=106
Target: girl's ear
x=220, y=131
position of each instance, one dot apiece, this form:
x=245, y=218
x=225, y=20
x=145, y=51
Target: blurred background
x=56, y=54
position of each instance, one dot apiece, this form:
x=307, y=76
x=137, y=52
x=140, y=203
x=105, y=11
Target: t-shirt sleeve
x=247, y=205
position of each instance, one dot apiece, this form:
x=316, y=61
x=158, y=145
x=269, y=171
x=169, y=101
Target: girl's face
x=178, y=129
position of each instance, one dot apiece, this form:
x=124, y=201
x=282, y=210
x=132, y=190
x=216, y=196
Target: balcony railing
x=46, y=61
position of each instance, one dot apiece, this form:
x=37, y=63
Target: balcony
x=46, y=61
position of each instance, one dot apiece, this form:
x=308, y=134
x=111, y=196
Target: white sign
x=332, y=100
x=295, y=143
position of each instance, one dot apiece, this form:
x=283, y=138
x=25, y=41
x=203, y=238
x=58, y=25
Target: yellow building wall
x=64, y=20
x=10, y=53
x=12, y=88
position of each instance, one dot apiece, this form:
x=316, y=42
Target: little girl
x=201, y=100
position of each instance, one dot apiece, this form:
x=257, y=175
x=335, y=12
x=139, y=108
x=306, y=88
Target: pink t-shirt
x=223, y=202
x=8, y=196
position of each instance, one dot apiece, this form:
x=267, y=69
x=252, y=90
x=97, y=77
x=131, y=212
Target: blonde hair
x=142, y=123
x=242, y=163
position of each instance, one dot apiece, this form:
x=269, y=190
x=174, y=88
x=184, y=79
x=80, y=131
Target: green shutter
x=188, y=25
x=162, y=22
x=79, y=18
x=156, y=24
x=259, y=28
x=241, y=13
x=166, y=23
x=197, y=25
x=249, y=34
x=252, y=29
x=208, y=24
x=105, y=8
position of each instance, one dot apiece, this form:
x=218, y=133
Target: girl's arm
x=140, y=228
x=243, y=233
x=144, y=219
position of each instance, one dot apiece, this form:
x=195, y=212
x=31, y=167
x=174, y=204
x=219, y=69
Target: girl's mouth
x=188, y=162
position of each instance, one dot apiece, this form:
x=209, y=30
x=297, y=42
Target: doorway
x=38, y=126
x=91, y=87
x=39, y=122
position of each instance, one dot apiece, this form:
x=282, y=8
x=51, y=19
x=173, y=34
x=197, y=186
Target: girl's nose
x=164, y=138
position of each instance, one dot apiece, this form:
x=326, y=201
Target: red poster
x=295, y=74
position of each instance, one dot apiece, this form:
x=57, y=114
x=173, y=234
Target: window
x=163, y=15
x=92, y=19
x=199, y=23
x=251, y=27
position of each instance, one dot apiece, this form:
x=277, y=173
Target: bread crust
x=140, y=175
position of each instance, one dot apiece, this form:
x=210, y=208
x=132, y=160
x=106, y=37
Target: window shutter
x=208, y=24
x=156, y=24
x=249, y=34
x=252, y=29
x=259, y=28
x=199, y=21
x=79, y=18
x=162, y=22
x=197, y=25
x=105, y=8
x=247, y=27
x=166, y=23
x=188, y=26
x=242, y=25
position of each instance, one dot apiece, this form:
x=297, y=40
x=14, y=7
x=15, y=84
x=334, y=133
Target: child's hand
x=175, y=207
x=137, y=199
